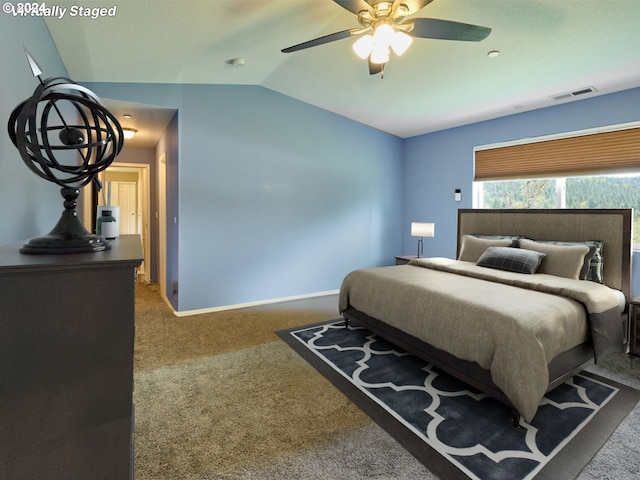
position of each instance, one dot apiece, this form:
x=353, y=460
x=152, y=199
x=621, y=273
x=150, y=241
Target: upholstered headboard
x=612, y=226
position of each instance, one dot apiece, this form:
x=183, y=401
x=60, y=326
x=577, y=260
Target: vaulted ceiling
x=549, y=50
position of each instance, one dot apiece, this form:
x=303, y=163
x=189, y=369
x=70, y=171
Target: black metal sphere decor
x=65, y=135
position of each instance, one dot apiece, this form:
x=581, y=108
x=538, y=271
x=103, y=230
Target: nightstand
x=404, y=259
x=634, y=329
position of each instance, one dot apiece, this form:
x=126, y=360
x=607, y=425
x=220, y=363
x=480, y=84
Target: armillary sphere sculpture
x=67, y=136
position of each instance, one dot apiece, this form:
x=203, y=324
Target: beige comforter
x=512, y=325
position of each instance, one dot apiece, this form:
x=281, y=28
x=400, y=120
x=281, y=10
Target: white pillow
x=560, y=260
x=472, y=247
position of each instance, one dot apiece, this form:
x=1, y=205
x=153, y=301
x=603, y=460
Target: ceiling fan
x=385, y=27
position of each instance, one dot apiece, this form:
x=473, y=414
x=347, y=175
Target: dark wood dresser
x=66, y=362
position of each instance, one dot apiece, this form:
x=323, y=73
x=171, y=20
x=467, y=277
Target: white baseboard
x=187, y=313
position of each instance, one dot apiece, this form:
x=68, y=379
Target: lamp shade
x=363, y=46
x=419, y=229
x=401, y=41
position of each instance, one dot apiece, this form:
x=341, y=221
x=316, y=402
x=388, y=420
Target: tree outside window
x=601, y=191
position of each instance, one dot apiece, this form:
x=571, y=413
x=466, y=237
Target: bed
x=510, y=334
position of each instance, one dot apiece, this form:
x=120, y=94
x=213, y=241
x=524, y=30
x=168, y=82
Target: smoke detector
x=234, y=62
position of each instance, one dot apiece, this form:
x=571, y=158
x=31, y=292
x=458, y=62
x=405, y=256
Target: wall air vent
x=575, y=93
x=583, y=91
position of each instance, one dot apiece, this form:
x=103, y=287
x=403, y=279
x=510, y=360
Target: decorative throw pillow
x=593, y=269
x=511, y=259
x=472, y=246
x=560, y=260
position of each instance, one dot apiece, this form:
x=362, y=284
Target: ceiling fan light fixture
x=383, y=34
x=363, y=46
x=379, y=55
x=401, y=42
x=390, y=30
x=129, y=133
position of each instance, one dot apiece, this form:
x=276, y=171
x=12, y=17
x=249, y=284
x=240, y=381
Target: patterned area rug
x=458, y=432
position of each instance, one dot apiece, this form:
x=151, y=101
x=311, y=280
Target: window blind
x=598, y=153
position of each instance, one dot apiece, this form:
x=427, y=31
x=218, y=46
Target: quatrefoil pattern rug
x=470, y=430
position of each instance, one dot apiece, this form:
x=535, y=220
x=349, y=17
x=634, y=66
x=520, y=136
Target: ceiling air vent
x=576, y=93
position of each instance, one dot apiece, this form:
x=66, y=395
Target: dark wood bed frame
x=613, y=226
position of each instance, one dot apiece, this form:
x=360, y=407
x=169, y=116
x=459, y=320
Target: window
x=596, y=191
x=593, y=168
x=588, y=152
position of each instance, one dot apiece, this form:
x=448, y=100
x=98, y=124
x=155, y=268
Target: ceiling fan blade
x=375, y=68
x=447, y=30
x=354, y=6
x=413, y=5
x=332, y=37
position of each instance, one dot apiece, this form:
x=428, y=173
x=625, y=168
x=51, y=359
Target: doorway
x=127, y=185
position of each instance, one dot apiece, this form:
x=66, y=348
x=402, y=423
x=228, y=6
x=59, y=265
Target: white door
x=127, y=199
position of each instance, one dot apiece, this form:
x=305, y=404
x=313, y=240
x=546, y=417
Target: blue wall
x=438, y=163
x=276, y=198
x=31, y=206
